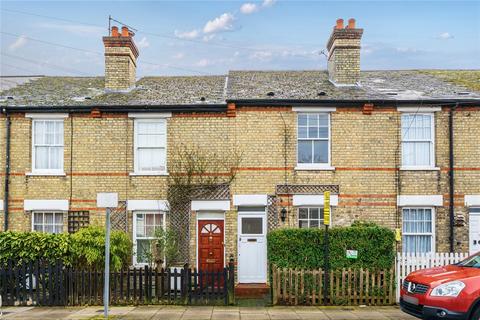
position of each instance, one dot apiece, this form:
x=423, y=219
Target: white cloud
x=203, y=63
x=268, y=3
x=75, y=29
x=221, y=23
x=20, y=42
x=178, y=56
x=445, y=36
x=406, y=50
x=262, y=55
x=143, y=43
x=248, y=8
x=187, y=34
x=209, y=37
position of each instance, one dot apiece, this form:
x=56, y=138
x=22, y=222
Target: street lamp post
x=107, y=201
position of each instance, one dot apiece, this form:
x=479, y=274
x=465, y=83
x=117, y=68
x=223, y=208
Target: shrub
x=304, y=248
x=88, y=248
x=24, y=247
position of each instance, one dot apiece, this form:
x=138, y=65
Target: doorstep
x=251, y=290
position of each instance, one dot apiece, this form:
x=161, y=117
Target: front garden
x=68, y=270
x=298, y=276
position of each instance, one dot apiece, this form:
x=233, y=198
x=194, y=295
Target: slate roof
x=276, y=85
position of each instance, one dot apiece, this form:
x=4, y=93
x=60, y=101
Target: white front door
x=252, y=247
x=474, y=230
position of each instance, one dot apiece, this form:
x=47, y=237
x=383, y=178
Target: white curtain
x=417, y=139
x=48, y=144
x=151, y=138
x=417, y=230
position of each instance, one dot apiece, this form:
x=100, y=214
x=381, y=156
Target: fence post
x=273, y=276
x=231, y=280
x=184, y=283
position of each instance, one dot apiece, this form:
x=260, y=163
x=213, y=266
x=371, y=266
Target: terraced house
x=224, y=159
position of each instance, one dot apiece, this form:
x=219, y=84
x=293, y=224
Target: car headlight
x=449, y=289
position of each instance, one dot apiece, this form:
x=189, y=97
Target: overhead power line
x=101, y=54
x=222, y=44
x=16, y=67
x=47, y=64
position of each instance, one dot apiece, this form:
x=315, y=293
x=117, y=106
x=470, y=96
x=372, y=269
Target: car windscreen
x=471, y=262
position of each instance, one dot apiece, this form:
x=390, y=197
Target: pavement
x=206, y=313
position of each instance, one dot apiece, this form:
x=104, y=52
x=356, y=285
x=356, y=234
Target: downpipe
x=451, y=178
x=7, y=171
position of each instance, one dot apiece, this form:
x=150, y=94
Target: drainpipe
x=7, y=172
x=452, y=178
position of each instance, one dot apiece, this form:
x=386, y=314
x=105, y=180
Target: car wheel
x=476, y=314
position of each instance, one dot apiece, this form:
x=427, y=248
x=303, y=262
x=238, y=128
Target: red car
x=450, y=292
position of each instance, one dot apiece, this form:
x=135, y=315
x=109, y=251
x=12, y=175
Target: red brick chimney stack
x=344, y=54
x=121, y=55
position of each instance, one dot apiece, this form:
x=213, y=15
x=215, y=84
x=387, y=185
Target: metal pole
x=326, y=262
x=106, y=286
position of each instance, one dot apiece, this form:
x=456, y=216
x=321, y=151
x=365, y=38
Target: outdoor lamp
x=283, y=214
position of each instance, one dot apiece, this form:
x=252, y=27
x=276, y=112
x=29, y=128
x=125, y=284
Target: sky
x=213, y=37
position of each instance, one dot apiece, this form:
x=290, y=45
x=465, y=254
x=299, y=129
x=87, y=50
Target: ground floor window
x=310, y=217
x=49, y=222
x=146, y=223
x=418, y=230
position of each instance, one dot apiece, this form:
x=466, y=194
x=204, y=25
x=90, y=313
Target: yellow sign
x=398, y=235
x=326, y=208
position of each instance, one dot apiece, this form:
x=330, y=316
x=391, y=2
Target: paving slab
x=168, y=315
x=144, y=312
x=225, y=315
x=256, y=310
x=340, y=314
x=254, y=316
x=169, y=312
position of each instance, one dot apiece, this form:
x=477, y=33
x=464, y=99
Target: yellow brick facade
x=98, y=157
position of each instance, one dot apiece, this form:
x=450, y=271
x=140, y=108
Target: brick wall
x=98, y=157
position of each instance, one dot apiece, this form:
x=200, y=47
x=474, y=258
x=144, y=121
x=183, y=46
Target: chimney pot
x=115, y=31
x=339, y=24
x=125, y=32
x=351, y=23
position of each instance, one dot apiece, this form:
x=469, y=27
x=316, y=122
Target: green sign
x=352, y=254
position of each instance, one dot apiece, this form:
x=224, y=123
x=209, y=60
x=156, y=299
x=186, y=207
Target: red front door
x=210, y=245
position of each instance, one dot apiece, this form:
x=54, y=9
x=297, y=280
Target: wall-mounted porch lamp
x=283, y=214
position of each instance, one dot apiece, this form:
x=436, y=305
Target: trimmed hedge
x=86, y=248
x=304, y=248
x=22, y=247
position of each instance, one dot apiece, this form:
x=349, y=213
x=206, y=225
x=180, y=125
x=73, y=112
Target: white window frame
x=36, y=171
x=430, y=166
x=135, y=147
x=135, y=238
x=320, y=208
x=433, y=242
x=316, y=166
x=55, y=212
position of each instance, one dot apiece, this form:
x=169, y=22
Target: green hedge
x=304, y=248
x=21, y=247
x=86, y=248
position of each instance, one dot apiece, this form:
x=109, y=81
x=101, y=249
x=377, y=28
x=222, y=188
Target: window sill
x=53, y=173
x=301, y=167
x=419, y=169
x=159, y=173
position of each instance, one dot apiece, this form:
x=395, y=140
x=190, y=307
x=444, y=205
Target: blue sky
x=212, y=37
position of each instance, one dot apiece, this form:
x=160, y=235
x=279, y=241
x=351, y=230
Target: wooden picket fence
x=56, y=285
x=345, y=287
x=409, y=262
